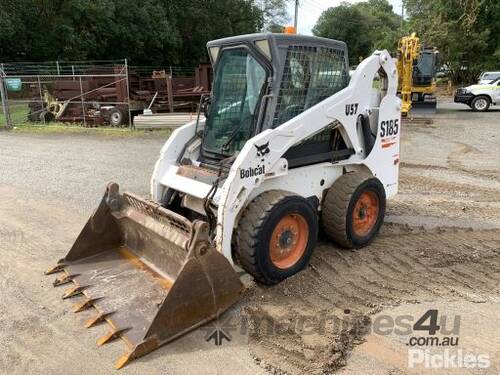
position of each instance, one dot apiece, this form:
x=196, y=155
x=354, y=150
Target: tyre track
x=411, y=266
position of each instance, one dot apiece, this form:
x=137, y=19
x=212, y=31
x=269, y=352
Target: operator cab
x=263, y=80
x=424, y=69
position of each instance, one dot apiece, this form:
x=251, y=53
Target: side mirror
x=205, y=104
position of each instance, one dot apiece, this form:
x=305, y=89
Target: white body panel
x=271, y=170
x=492, y=90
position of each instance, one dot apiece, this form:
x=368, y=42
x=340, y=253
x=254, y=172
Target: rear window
x=490, y=76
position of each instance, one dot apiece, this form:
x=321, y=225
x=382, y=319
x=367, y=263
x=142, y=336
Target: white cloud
x=310, y=10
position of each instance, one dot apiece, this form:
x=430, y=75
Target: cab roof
x=281, y=39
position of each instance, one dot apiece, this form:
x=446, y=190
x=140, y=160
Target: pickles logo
x=252, y=171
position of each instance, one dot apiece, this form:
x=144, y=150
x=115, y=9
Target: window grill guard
x=311, y=74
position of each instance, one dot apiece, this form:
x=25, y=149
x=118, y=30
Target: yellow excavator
x=416, y=72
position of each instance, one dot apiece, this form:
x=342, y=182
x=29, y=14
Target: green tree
x=346, y=23
x=466, y=33
x=275, y=14
x=199, y=21
x=364, y=26
x=383, y=24
x=148, y=32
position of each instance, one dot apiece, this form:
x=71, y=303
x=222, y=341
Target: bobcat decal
x=263, y=149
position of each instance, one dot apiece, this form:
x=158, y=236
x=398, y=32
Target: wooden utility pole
x=402, y=16
x=295, y=20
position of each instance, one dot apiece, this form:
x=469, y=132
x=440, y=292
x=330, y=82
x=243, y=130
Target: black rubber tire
x=46, y=116
x=338, y=207
x=476, y=100
x=256, y=227
x=116, y=117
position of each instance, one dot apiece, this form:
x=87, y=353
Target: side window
x=294, y=84
x=310, y=75
x=330, y=76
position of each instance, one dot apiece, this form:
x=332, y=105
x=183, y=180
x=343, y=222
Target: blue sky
x=310, y=10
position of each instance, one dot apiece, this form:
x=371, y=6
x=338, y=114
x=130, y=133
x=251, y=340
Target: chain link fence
x=95, y=93
x=86, y=93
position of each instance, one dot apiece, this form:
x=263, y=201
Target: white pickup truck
x=479, y=97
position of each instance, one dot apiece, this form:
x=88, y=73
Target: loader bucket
x=425, y=109
x=150, y=273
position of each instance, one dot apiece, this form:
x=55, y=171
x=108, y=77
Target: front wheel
x=354, y=209
x=480, y=104
x=276, y=236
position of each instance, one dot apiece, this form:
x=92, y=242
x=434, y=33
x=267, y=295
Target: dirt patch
x=409, y=263
x=403, y=266
x=440, y=244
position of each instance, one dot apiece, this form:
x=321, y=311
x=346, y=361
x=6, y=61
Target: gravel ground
x=440, y=248
x=75, y=169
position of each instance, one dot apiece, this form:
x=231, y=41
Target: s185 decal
x=389, y=127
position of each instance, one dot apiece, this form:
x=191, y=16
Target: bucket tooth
x=99, y=318
x=64, y=279
x=124, y=359
x=140, y=350
x=110, y=336
x=73, y=292
x=57, y=268
x=88, y=303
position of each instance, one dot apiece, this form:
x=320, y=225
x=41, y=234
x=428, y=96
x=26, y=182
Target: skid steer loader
x=289, y=143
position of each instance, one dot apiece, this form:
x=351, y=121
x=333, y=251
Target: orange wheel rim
x=288, y=241
x=365, y=213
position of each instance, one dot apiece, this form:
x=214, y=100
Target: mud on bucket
x=150, y=273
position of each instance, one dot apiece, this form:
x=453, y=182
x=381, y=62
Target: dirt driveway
x=440, y=249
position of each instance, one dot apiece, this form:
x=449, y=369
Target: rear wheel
x=276, y=236
x=354, y=209
x=116, y=117
x=480, y=104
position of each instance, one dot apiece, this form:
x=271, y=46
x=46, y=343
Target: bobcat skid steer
x=289, y=143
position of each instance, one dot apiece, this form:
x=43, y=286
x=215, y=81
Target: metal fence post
x=42, y=110
x=128, y=95
x=83, y=104
x=5, y=100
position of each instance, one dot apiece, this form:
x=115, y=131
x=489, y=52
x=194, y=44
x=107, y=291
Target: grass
x=22, y=125
x=58, y=128
x=18, y=113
